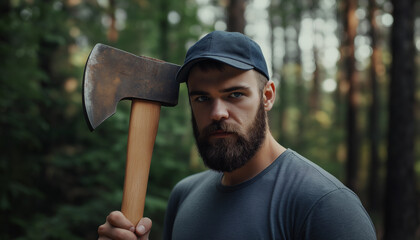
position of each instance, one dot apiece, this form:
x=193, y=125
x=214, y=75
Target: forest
x=347, y=74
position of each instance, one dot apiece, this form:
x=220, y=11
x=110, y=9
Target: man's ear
x=269, y=95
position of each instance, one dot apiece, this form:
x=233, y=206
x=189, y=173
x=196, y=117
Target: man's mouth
x=220, y=134
x=218, y=130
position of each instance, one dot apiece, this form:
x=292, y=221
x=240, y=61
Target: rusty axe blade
x=112, y=75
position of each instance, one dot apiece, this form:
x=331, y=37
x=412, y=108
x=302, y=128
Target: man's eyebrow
x=195, y=93
x=232, y=89
x=227, y=90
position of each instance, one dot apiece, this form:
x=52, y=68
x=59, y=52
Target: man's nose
x=219, y=110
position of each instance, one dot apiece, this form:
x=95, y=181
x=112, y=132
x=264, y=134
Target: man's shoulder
x=321, y=201
x=310, y=174
x=307, y=183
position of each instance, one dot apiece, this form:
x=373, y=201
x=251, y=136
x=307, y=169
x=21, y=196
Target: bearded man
x=255, y=188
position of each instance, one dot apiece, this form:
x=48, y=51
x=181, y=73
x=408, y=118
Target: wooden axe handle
x=144, y=120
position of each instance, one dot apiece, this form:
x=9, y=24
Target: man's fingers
x=143, y=228
x=104, y=238
x=118, y=220
x=117, y=226
x=106, y=231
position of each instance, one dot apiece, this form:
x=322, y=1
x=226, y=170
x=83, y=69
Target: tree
x=374, y=134
x=58, y=180
x=351, y=23
x=112, y=31
x=235, y=16
x=400, y=204
x=315, y=90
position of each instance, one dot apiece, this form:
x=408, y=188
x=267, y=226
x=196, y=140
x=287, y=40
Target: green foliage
x=58, y=180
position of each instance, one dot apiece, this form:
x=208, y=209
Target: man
x=256, y=189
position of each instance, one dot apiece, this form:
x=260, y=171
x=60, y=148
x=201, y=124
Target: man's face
x=229, y=120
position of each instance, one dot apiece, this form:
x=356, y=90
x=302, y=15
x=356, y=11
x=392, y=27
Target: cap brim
x=182, y=75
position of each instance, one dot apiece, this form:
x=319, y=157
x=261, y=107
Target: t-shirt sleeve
x=338, y=215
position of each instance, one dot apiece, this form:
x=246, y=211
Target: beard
x=231, y=153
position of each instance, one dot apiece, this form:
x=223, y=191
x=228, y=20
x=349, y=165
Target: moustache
x=218, y=126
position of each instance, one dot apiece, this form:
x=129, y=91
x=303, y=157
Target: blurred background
x=347, y=75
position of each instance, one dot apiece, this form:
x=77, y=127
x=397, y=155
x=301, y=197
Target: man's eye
x=236, y=95
x=201, y=99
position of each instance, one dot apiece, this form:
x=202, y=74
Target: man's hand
x=117, y=226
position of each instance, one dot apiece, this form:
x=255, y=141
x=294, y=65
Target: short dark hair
x=209, y=64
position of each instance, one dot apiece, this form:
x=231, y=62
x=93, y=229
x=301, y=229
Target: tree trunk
x=351, y=23
x=374, y=189
x=400, y=211
x=284, y=87
x=163, y=30
x=236, y=16
x=341, y=90
x=315, y=90
x=112, y=34
x=300, y=98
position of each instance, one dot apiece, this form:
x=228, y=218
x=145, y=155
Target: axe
x=112, y=75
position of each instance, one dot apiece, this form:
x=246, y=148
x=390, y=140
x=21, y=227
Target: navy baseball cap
x=232, y=48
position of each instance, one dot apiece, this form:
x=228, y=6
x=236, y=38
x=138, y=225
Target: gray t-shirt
x=293, y=198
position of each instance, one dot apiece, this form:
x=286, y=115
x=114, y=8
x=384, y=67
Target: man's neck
x=267, y=154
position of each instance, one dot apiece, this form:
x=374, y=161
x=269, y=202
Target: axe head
x=112, y=75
